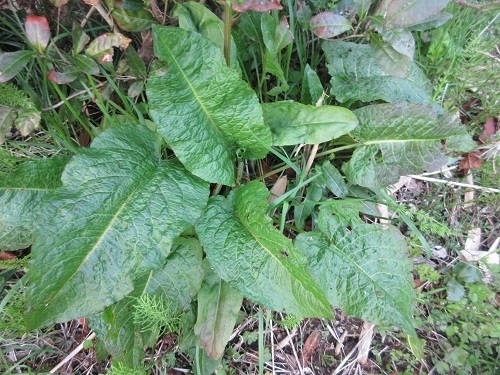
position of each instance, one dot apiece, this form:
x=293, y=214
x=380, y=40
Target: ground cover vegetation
x=180, y=176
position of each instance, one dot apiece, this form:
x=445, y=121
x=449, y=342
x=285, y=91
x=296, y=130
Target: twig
x=453, y=183
x=72, y=354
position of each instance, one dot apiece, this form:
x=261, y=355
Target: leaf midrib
x=196, y=96
x=104, y=233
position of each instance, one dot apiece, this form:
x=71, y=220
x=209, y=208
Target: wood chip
x=310, y=347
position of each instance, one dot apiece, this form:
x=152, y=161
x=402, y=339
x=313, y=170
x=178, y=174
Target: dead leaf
x=310, y=346
x=490, y=127
x=471, y=160
x=279, y=188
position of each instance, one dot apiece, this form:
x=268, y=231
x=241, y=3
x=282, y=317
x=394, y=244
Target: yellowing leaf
x=101, y=48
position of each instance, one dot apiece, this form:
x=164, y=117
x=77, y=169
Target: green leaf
x=455, y=290
x=334, y=180
x=468, y=273
x=255, y=258
x=203, y=109
x=80, y=39
x=115, y=217
x=293, y=123
x=306, y=208
x=390, y=60
x=12, y=63
x=85, y=64
x=400, y=39
x=20, y=195
x=178, y=282
x=312, y=89
x=328, y=25
x=275, y=35
x=133, y=20
x=135, y=63
x=362, y=7
x=272, y=66
x=364, y=269
x=198, y=18
x=218, y=306
x=435, y=21
x=399, y=139
x=404, y=13
x=356, y=75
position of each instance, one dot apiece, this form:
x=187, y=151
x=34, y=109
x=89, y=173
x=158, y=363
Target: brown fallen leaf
x=471, y=160
x=490, y=127
x=310, y=346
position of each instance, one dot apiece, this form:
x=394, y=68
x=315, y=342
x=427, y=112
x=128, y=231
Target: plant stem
x=228, y=17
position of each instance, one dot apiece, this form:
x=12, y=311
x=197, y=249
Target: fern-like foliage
x=153, y=313
x=117, y=368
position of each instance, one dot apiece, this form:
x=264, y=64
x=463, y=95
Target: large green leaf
x=218, y=306
x=293, y=123
x=363, y=269
x=203, y=109
x=20, y=195
x=357, y=75
x=399, y=139
x=404, y=13
x=116, y=215
x=177, y=282
x=255, y=258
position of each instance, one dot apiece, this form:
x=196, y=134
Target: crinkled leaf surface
x=328, y=25
x=198, y=18
x=116, y=215
x=12, y=63
x=203, y=109
x=391, y=61
x=20, y=195
x=399, y=139
x=363, y=270
x=218, y=306
x=293, y=123
x=178, y=282
x=404, y=13
x=255, y=258
x=356, y=75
